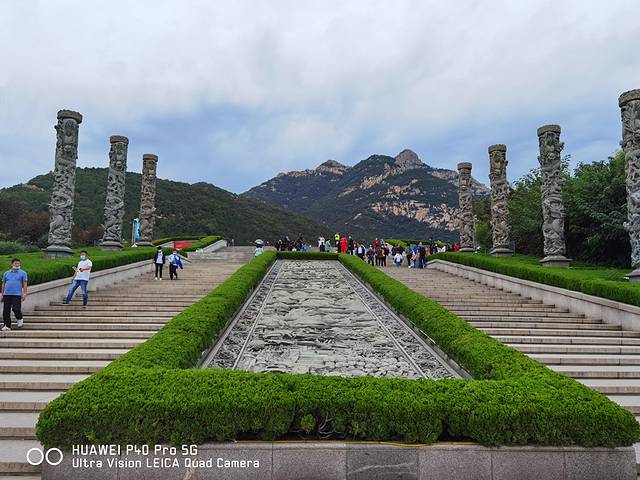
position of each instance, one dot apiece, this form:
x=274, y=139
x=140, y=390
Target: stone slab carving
x=114, y=202
x=629, y=103
x=465, y=201
x=499, y=197
x=64, y=177
x=552, y=203
x=147, y=199
x=316, y=317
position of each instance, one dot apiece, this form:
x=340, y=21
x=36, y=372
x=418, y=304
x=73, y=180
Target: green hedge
x=577, y=279
x=41, y=270
x=150, y=395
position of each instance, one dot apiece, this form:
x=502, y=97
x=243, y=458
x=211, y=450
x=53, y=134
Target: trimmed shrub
x=150, y=395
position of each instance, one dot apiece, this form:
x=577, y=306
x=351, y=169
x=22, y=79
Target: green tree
x=595, y=199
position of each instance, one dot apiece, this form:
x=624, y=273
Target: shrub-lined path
x=61, y=345
x=601, y=356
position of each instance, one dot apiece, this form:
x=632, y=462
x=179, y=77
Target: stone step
x=107, y=327
x=560, y=332
x=614, y=386
x=124, y=303
x=61, y=354
x=95, y=309
x=488, y=303
x=545, y=316
x=93, y=319
x=595, y=349
x=40, y=381
x=598, y=371
x=529, y=318
x=630, y=402
x=567, y=340
x=52, y=366
x=16, y=343
x=70, y=313
x=32, y=333
x=20, y=477
x=32, y=401
x=13, y=455
x=126, y=296
x=585, y=359
x=541, y=310
x=542, y=325
x=18, y=424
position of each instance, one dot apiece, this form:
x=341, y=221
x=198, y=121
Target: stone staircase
x=61, y=345
x=603, y=356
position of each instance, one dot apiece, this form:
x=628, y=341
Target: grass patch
x=153, y=395
x=604, y=282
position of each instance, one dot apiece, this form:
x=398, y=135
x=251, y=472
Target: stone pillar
x=147, y=199
x=114, y=202
x=465, y=202
x=64, y=177
x=499, y=197
x=552, y=203
x=630, y=109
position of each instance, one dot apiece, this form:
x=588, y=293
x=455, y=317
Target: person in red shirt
x=343, y=244
x=456, y=247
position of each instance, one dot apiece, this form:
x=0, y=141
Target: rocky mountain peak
x=332, y=166
x=408, y=159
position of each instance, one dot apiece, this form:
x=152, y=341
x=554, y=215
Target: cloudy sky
x=233, y=92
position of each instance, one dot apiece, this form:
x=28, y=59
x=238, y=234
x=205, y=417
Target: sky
x=233, y=92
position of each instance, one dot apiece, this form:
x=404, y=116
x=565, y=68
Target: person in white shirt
x=397, y=259
x=175, y=262
x=158, y=261
x=81, y=279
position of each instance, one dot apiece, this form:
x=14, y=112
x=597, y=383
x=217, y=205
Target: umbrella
x=259, y=243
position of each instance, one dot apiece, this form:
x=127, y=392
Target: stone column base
x=501, y=252
x=144, y=244
x=634, y=276
x=57, y=251
x=557, y=261
x=467, y=249
x=111, y=245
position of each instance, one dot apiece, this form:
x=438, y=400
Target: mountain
x=182, y=209
x=381, y=196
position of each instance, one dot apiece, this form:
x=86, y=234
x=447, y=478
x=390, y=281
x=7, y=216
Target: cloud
x=233, y=92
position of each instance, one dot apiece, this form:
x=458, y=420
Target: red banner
x=181, y=245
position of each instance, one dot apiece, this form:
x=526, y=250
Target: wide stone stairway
x=62, y=344
x=602, y=356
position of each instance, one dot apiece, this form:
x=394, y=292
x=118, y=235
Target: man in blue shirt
x=14, y=292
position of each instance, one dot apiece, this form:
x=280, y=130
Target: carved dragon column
x=552, y=203
x=64, y=177
x=114, y=203
x=629, y=103
x=466, y=208
x=499, y=197
x=147, y=199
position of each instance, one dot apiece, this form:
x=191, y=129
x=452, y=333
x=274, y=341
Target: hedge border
x=612, y=290
x=150, y=395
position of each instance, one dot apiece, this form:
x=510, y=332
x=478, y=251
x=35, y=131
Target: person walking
x=81, y=279
x=175, y=262
x=397, y=259
x=343, y=244
x=14, y=292
x=159, y=260
x=370, y=255
x=422, y=255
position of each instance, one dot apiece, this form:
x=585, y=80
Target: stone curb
x=366, y=461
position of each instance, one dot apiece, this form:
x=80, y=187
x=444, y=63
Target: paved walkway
x=61, y=345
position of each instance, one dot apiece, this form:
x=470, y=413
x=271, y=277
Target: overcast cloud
x=234, y=92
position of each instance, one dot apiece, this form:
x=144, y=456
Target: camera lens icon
x=36, y=456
